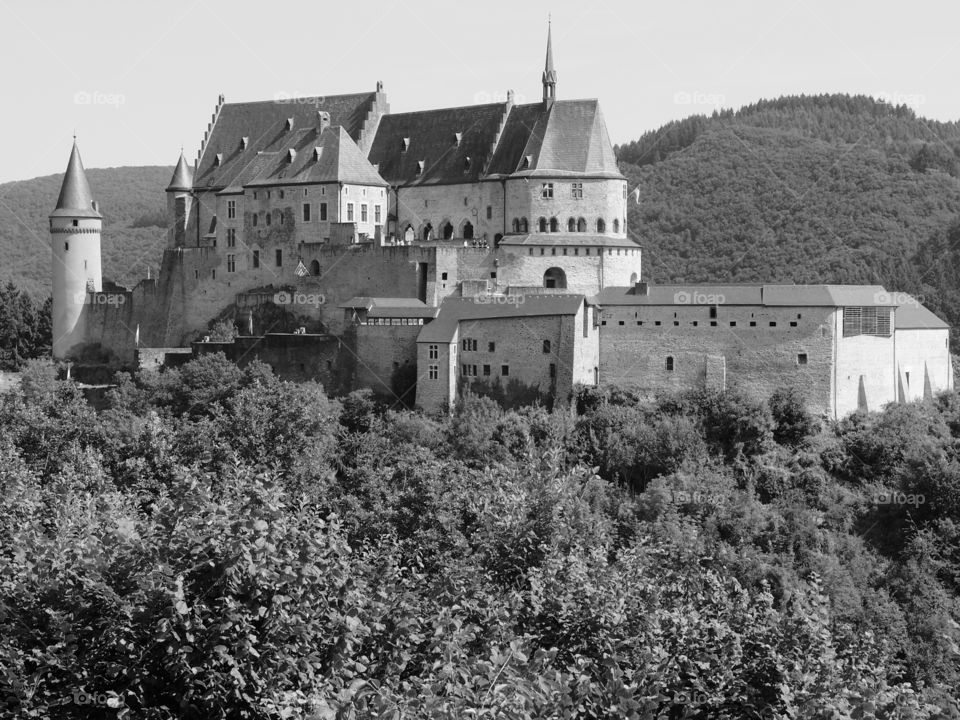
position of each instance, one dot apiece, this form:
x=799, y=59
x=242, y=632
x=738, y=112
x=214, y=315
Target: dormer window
x=420, y=164
x=527, y=160
x=317, y=153
x=466, y=163
x=458, y=137
x=291, y=155
x=217, y=159
x=404, y=144
x=289, y=124
x=244, y=142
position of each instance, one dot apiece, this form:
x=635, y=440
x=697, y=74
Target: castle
x=484, y=246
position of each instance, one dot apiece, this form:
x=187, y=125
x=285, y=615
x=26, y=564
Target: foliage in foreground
x=221, y=544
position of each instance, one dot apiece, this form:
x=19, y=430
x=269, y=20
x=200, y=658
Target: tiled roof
x=453, y=311
x=392, y=307
x=569, y=138
x=911, y=315
x=431, y=137
x=264, y=126
x=769, y=295
x=568, y=240
x=331, y=157
x=75, y=199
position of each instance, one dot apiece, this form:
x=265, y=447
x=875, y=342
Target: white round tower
x=75, y=227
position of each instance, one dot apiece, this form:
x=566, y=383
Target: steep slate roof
x=75, y=199
x=453, y=311
x=339, y=160
x=182, y=175
x=567, y=239
x=768, y=295
x=432, y=135
x=569, y=138
x=264, y=123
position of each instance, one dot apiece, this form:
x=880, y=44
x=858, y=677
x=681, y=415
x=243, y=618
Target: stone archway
x=555, y=278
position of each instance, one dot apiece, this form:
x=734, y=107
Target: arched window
x=524, y=225
x=555, y=278
x=616, y=225
x=601, y=225
x=447, y=231
x=571, y=225
x=516, y=225
x=669, y=365
x=633, y=278
x=542, y=224
x=427, y=232
x=468, y=230
x=554, y=225
x=409, y=234
x=315, y=268
x=581, y=225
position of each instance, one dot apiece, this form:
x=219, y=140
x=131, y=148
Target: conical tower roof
x=182, y=179
x=75, y=199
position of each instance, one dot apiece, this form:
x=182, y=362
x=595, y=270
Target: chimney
x=323, y=121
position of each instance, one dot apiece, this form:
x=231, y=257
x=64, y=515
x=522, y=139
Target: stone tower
x=549, y=74
x=180, y=202
x=75, y=227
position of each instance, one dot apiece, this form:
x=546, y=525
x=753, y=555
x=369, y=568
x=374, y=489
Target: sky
x=137, y=80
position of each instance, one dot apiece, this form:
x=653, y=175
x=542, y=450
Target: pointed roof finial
x=75, y=199
x=549, y=73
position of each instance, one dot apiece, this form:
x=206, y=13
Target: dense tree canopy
x=217, y=543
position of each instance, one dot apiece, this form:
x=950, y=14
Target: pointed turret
x=75, y=199
x=549, y=74
x=182, y=180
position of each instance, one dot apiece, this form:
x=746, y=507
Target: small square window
x=773, y=323
x=491, y=347
x=505, y=370
x=801, y=359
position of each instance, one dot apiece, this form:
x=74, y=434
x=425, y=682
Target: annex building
x=483, y=247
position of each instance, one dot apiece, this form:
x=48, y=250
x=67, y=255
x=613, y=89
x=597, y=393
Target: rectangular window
x=363, y=212
x=256, y=258
x=486, y=371
x=231, y=237
x=505, y=370
x=866, y=321
x=491, y=347
x=279, y=256
x=231, y=263
x=801, y=358
x=255, y=218
x=323, y=212
x=434, y=372
x=349, y=212
x=376, y=215
x=306, y=212
x=231, y=209
x=576, y=190
x=553, y=370
x=489, y=212
x=434, y=352
x=546, y=190
x=469, y=344
x=669, y=365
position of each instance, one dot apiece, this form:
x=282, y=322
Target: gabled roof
x=567, y=240
x=75, y=199
x=568, y=138
x=264, y=124
x=442, y=140
x=453, y=311
x=331, y=156
x=182, y=176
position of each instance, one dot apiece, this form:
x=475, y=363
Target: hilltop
x=802, y=189
x=133, y=205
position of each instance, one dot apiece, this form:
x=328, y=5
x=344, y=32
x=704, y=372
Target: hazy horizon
x=138, y=81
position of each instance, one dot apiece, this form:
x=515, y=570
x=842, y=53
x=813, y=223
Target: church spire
x=549, y=74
